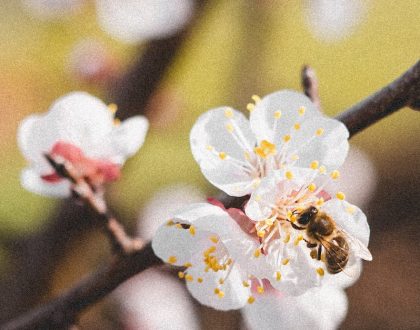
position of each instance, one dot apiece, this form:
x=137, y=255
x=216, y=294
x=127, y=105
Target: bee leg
x=319, y=252
x=297, y=227
x=311, y=245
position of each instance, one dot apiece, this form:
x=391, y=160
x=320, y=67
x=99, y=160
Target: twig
x=310, y=85
x=402, y=92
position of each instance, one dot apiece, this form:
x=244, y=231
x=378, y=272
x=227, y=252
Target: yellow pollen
x=178, y=225
x=214, y=239
x=287, y=238
x=314, y=165
x=261, y=233
x=172, y=260
x=257, y=253
x=170, y=223
x=200, y=280
x=301, y=111
x=350, y=210
x=335, y=174
x=181, y=274
x=313, y=254
x=112, y=107
x=268, y=222
x=221, y=281
x=117, y=122
x=296, y=126
x=222, y=155
x=320, y=271
x=221, y=294
x=278, y=276
x=298, y=239
x=192, y=230
x=293, y=218
x=340, y=195
x=251, y=300
x=256, y=98
x=295, y=157
x=320, y=201
x=260, y=289
x=286, y=138
x=322, y=169
x=312, y=187
x=277, y=114
x=229, y=128
x=250, y=107
x=188, y=264
x=285, y=261
x=216, y=291
x=265, y=149
x=228, y=113
x=245, y=284
x=229, y=261
x=247, y=155
x=209, y=148
x=289, y=175
x=319, y=132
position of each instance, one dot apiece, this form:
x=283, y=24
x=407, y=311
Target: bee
x=323, y=233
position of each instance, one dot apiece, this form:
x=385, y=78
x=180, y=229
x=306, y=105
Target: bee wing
x=357, y=247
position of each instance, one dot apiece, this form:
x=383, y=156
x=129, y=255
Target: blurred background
x=232, y=49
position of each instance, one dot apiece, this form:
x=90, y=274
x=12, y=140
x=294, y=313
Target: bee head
x=307, y=215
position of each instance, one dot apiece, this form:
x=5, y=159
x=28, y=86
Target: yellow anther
x=314, y=165
x=192, y=230
x=289, y=175
x=245, y=284
x=312, y=187
x=278, y=276
x=229, y=128
x=287, y=238
x=256, y=98
x=221, y=281
x=250, y=107
x=188, y=265
x=117, y=122
x=261, y=233
x=258, y=198
x=293, y=218
x=200, y=280
x=229, y=261
x=112, y=107
x=320, y=271
x=322, y=169
x=181, y=274
x=222, y=155
x=221, y=294
x=286, y=138
x=350, y=209
x=319, y=131
x=301, y=111
x=251, y=300
x=340, y=195
x=285, y=261
x=216, y=291
x=265, y=149
x=296, y=126
x=298, y=239
x=260, y=289
x=210, y=148
x=228, y=113
x=295, y=157
x=257, y=253
x=247, y=155
x=277, y=114
x=269, y=222
x=170, y=223
x=172, y=260
x=214, y=239
x=335, y=174
x=320, y=201
x=178, y=225
x=256, y=183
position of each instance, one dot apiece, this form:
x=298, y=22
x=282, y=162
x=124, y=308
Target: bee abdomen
x=337, y=255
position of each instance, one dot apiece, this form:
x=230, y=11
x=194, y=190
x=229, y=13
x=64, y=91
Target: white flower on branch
x=284, y=129
x=81, y=130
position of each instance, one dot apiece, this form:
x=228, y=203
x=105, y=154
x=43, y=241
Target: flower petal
x=320, y=308
x=31, y=180
x=220, y=140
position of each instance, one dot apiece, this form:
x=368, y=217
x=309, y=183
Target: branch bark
x=310, y=85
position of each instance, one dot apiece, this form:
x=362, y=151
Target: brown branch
x=310, y=85
x=402, y=92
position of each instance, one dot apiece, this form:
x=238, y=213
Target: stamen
x=200, y=280
x=170, y=223
x=256, y=98
x=335, y=174
x=277, y=114
x=250, y=107
x=320, y=271
x=229, y=128
x=192, y=230
x=257, y=253
x=314, y=165
x=117, y=122
x=322, y=169
x=289, y=175
x=214, y=239
x=298, y=239
x=278, y=276
x=181, y=274
x=287, y=238
x=340, y=195
x=260, y=289
x=222, y=155
x=246, y=284
x=285, y=261
x=286, y=138
x=350, y=210
x=188, y=265
x=172, y=260
x=251, y=300
x=319, y=131
x=112, y=107
x=189, y=278
x=228, y=113
x=301, y=111
x=296, y=126
x=312, y=187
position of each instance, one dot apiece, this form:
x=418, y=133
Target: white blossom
x=284, y=129
x=80, y=129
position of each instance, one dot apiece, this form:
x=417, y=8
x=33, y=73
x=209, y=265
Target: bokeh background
x=235, y=49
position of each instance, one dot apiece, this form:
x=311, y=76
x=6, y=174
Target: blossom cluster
x=295, y=232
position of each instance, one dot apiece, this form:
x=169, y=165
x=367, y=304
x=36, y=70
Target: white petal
x=263, y=119
x=235, y=294
x=133, y=21
x=320, y=308
x=350, y=218
x=31, y=180
x=232, y=136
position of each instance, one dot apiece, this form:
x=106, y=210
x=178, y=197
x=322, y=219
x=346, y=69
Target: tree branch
x=402, y=92
x=310, y=85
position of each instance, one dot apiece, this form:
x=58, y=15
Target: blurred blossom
x=78, y=130
x=333, y=20
x=133, y=21
x=91, y=62
x=52, y=9
x=163, y=204
x=155, y=300
x=318, y=309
